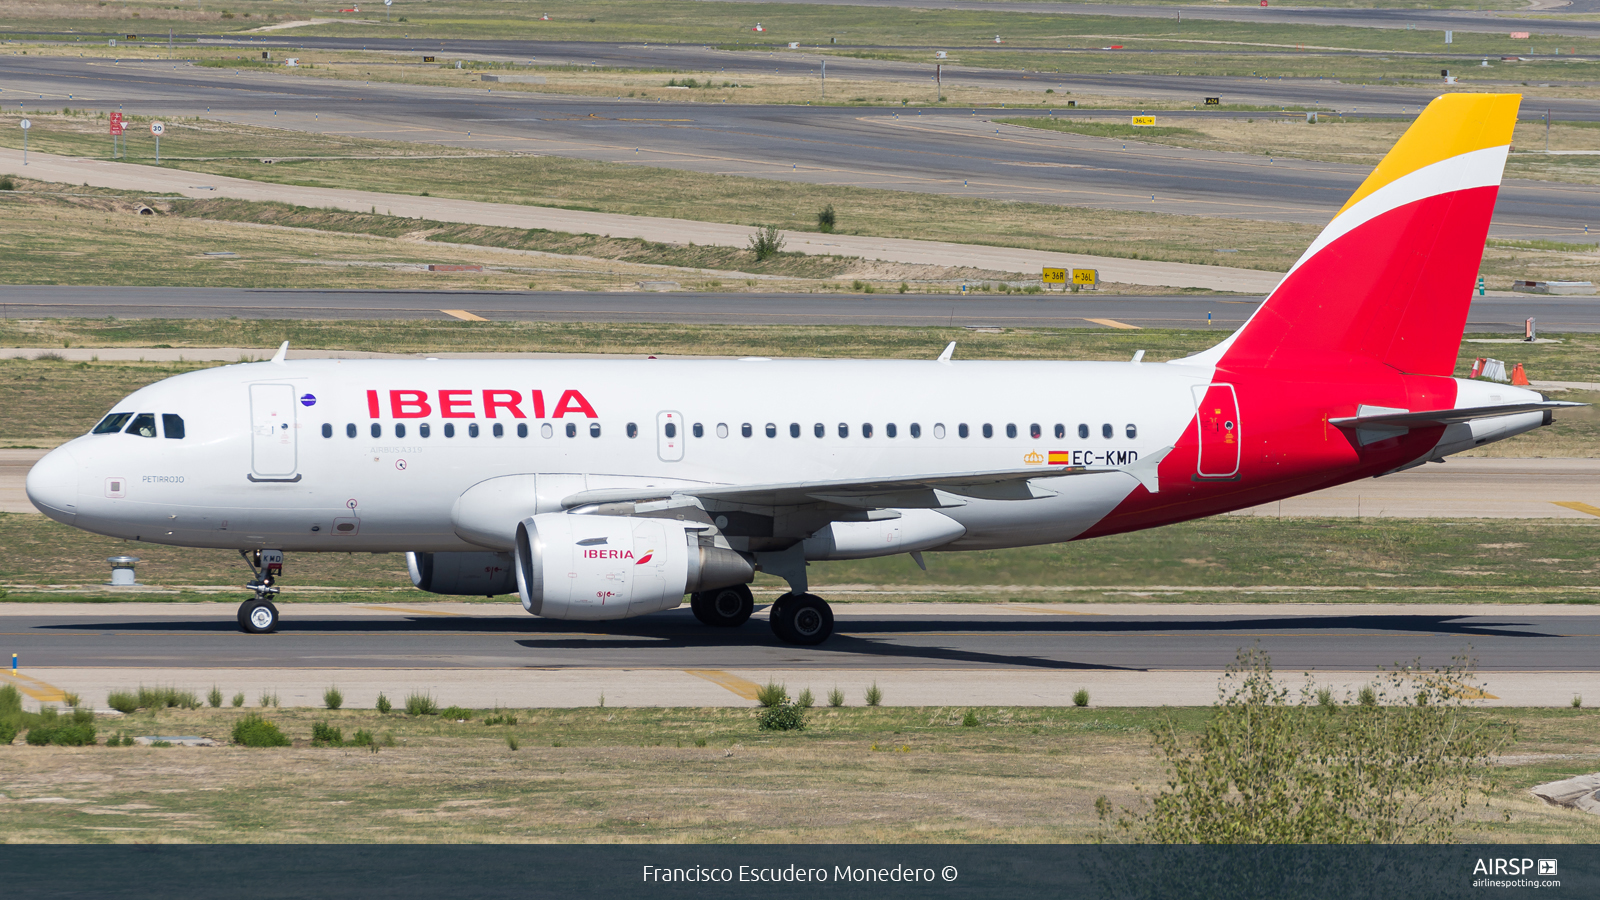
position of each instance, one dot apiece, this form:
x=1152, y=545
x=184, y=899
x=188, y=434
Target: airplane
x=606, y=489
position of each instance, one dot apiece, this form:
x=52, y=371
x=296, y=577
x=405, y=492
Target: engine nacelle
x=476, y=574
x=590, y=567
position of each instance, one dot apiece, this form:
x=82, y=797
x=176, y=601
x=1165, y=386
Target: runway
x=923, y=655
x=1493, y=314
x=953, y=152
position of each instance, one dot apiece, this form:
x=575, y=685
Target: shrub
x=8, y=733
x=805, y=700
x=699, y=742
x=362, y=738
x=254, y=731
x=7, y=184
x=120, y=739
x=766, y=242
x=164, y=698
x=161, y=743
x=122, y=701
x=455, y=713
x=333, y=698
x=511, y=740
x=71, y=699
x=1081, y=697
x=1325, y=698
x=76, y=730
x=421, y=705
x=836, y=698
x=874, y=695
x=1368, y=696
x=1577, y=700
x=500, y=718
x=215, y=697
x=970, y=720
x=782, y=716
x=826, y=220
x=1269, y=768
x=238, y=700
x=904, y=287
x=323, y=734
x=771, y=694
x=383, y=704
x=268, y=698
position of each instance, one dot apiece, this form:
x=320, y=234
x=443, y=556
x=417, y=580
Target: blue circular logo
x=308, y=400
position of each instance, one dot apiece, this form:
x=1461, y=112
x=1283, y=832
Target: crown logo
x=1034, y=458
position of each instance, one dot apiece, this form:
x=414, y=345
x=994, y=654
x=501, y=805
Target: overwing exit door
x=272, y=432
x=1217, y=411
x=669, y=436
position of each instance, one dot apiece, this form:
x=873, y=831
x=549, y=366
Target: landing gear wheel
x=726, y=607
x=805, y=619
x=258, y=617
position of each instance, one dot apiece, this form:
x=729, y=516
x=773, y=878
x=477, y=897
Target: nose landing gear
x=257, y=615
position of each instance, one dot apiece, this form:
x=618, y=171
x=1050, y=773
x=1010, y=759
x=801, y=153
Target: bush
x=163, y=698
x=1368, y=696
x=771, y=694
x=254, y=731
x=120, y=739
x=1081, y=697
x=268, y=698
x=826, y=220
x=421, y=705
x=383, y=704
x=333, y=698
x=8, y=733
x=970, y=720
x=71, y=699
x=238, y=700
x=511, y=740
x=7, y=184
x=215, y=697
x=122, y=701
x=1269, y=768
x=766, y=242
x=700, y=742
x=500, y=718
x=805, y=700
x=455, y=714
x=1577, y=700
x=874, y=695
x=325, y=735
x=76, y=730
x=782, y=716
x=362, y=738
x=836, y=698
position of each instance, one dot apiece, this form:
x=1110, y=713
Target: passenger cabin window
x=671, y=429
x=722, y=429
x=962, y=430
x=938, y=430
x=1061, y=430
x=112, y=424
x=144, y=425
x=449, y=429
x=746, y=430
x=844, y=430
x=633, y=429
x=327, y=430
x=1083, y=431
x=377, y=430
x=399, y=430
x=888, y=430
x=522, y=429
x=546, y=431
x=1011, y=430
x=819, y=429
x=916, y=430
x=866, y=429
x=424, y=429
x=350, y=430
x=594, y=429
x=772, y=430
x=794, y=429
x=472, y=430
x=572, y=429
x=499, y=430
x=172, y=426
x=1106, y=430
x=1034, y=431
x=988, y=430
x=1133, y=432
x=699, y=430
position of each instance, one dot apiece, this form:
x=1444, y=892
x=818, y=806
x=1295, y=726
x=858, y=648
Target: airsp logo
x=1512, y=867
x=1547, y=867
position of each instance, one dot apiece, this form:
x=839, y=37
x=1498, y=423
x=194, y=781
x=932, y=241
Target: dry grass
x=898, y=775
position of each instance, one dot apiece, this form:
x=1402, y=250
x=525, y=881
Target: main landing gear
x=257, y=615
x=804, y=619
x=726, y=607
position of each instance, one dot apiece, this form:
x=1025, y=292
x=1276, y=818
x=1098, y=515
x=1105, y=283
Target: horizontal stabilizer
x=1408, y=419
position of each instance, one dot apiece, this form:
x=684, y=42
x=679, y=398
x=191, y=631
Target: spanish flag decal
x=1060, y=458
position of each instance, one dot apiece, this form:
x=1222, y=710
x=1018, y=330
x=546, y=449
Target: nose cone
x=53, y=485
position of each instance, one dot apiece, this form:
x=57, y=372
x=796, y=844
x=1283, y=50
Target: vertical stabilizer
x=1390, y=279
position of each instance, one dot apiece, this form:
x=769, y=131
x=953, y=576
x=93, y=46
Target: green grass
x=1094, y=128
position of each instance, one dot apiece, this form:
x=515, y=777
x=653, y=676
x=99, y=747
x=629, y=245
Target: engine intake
x=612, y=567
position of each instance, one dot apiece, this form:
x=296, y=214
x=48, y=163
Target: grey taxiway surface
x=954, y=152
x=1493, y=314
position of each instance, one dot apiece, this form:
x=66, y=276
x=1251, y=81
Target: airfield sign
x=158, y=129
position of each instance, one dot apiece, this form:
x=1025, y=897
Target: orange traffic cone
x=1519, y=377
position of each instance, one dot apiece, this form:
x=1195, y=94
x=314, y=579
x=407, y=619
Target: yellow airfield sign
x=1144, y=120
x=1054, y=276
x=1086, y=277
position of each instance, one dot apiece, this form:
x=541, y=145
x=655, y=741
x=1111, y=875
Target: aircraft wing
x=1402, y=418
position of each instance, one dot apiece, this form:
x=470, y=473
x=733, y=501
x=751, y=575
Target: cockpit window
x=172, y=426
x=112, y=424
x=144, y=425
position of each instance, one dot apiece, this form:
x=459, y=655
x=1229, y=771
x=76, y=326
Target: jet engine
x=611, y=567
x=476, y=574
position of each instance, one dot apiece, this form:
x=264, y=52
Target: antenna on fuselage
x=282, y=354
x=949, y=351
